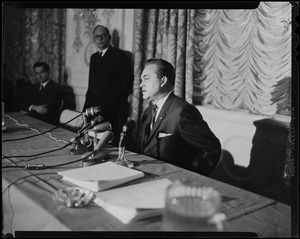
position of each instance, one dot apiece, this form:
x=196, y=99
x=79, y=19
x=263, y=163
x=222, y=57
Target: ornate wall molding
x=89, y=18
x=80, y=44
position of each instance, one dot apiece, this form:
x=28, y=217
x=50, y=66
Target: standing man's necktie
x=41, y=87
x=99, y=56
x=154, y=110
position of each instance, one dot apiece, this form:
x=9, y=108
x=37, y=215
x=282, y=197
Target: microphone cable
x=42, y=166
x=39, y=133
x=26, y=176
x=34, y=155
x=29, y=175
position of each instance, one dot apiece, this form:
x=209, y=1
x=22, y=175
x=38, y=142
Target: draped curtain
x=34, y=35
x=45, y=39
x=243, y=58
x=167, y=34
x=230, y=59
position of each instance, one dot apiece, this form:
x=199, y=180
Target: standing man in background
x=44, y=99
x=110, y=81
x=172, y=130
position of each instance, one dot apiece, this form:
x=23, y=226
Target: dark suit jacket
x=50, y=95
x=110, y=83
x=180, y=136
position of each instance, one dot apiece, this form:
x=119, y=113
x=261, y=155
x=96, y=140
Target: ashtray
x=74, y=197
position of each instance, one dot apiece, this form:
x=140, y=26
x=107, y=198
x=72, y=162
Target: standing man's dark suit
x=51, y=96
x=110, y=82
x=179, y=135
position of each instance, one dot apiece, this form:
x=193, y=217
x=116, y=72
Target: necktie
x=99, y=56
x=154, y=110
x=41, y=87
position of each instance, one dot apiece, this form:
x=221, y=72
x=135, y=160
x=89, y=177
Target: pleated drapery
x=34, y=34
x=228, y=59
x=243, y=58
x=238, y=60
x=167, y=34
x=45, y=40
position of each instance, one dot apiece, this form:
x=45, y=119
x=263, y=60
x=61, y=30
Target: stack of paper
x=101, y=176
x=135, y=202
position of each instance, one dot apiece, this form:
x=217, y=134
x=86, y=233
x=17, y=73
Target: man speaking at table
x=175, y=132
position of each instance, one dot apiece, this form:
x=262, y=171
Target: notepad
x=100, y=177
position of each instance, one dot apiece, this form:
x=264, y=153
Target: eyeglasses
x=100, y=36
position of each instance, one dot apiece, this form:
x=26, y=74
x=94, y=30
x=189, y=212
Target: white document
x=136, y=201
x=101, y=176
x=148, y=195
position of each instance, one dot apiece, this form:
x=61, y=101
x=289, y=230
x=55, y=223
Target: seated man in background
x=177, y=133
x=42, y=100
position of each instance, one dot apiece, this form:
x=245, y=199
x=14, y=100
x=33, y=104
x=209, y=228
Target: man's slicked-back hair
x=43, y=64
x=164, y=68
x=105, y=28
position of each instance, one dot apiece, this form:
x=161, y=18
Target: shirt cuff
x=30, y=108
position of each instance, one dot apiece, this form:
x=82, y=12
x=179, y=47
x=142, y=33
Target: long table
x=27, y=194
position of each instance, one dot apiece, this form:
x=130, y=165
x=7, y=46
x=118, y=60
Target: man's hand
x=41, y=109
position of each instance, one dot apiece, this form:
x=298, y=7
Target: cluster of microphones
x=98, y=125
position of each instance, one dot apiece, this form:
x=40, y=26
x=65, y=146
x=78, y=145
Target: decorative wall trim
x=242, y=116
x=236, y=130
x=80, y=45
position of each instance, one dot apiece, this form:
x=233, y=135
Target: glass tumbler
x=190, y=207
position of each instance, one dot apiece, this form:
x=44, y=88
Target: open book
x=101, y=176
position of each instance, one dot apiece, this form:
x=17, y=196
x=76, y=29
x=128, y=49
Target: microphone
x=128, y=126
x=107, y=136
x=93, y=111
x=102, y=127
x=97, y=129
x=98, y=156
x=81, y=134
x=93, y=122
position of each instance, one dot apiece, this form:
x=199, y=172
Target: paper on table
x=101, y=176
x=148, y=195
x=123, y=203
x=124, y=214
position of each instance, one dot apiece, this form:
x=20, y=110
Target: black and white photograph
x=142, y=119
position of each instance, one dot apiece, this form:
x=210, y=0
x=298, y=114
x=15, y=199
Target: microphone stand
x=98, y=156
x=121, y=158
x=80, y=148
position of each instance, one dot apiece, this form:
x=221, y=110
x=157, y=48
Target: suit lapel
x=107, y=53
x=146, y=122
x=43, y=92
x=47, y=87
x=149, y=142
x=37, y=92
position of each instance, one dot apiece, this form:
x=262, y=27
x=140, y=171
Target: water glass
x=191, y=207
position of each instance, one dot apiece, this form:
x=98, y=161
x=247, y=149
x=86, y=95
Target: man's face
x=41, y=74
x=150, y=84
x=101, y=38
